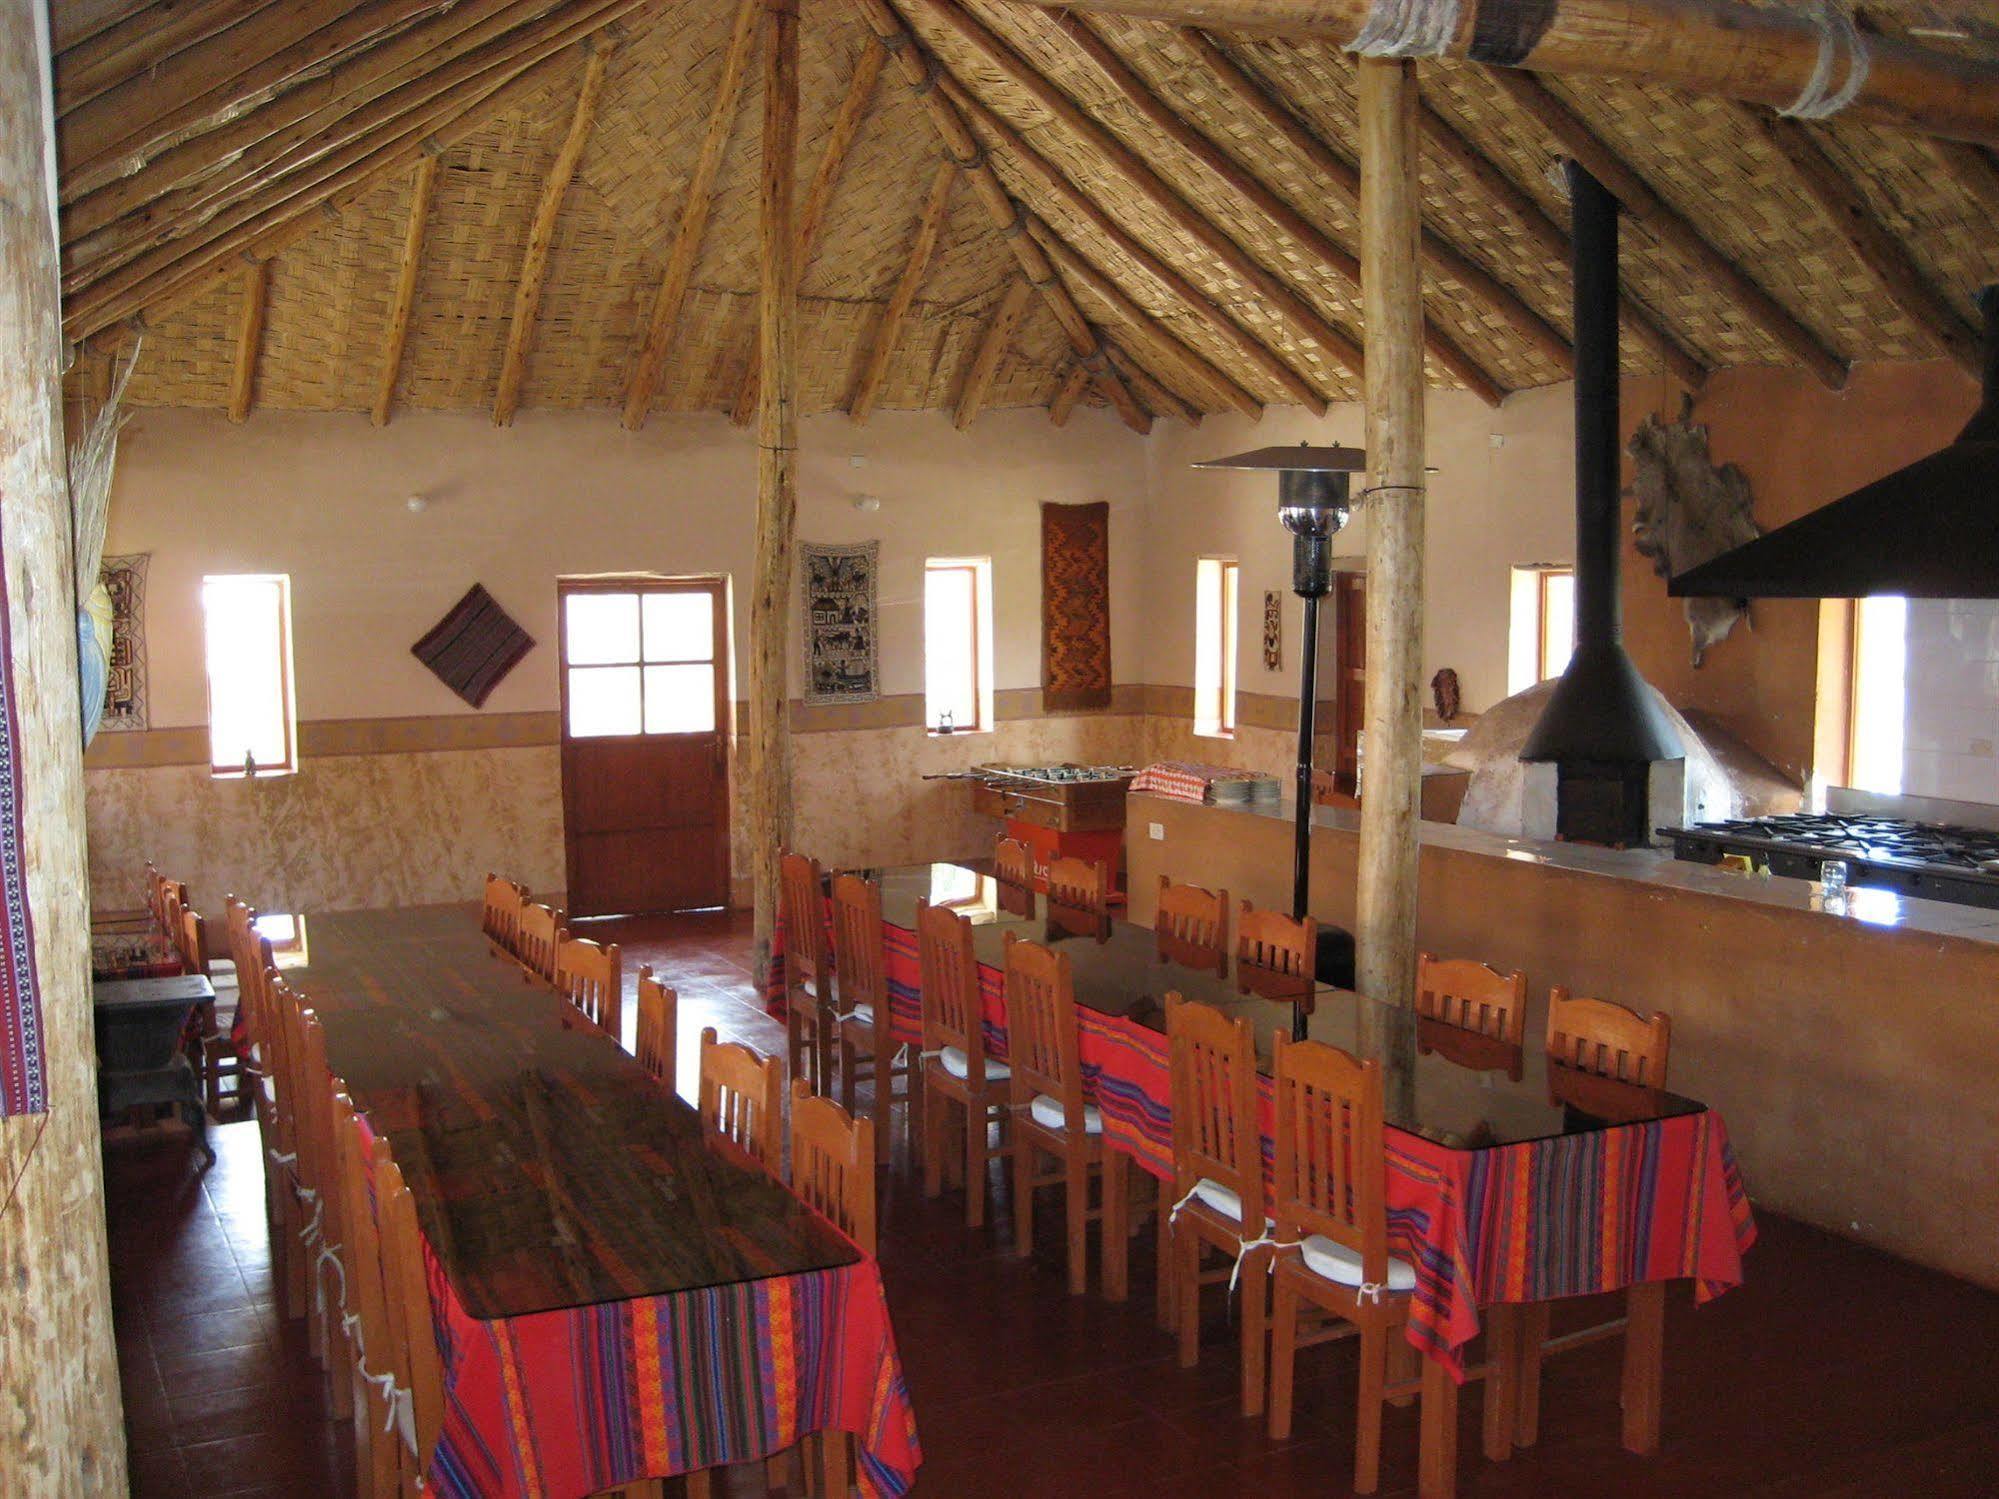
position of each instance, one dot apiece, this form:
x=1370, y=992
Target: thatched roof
x=205, y=148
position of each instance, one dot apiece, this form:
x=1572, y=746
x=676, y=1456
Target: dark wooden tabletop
x=548, y=1169
x=164, y=992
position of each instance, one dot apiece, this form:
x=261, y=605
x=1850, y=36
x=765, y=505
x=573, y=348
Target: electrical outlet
x=1158, y=831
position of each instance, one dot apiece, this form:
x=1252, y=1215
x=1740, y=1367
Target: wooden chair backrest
x=1192, y=926
x=1080, y=885
x=406, y=1286
x=193, y=944
x=590, y=975
x=953, y=1003
x=833, y=1163
x=742, y=1097
x=361, y=1254
x=1276, y=956
x=801, y=892
x=540, y=932
x=1214, y=1084
x=659, y=1013
x=1041, y=1028
x=173, y=900
x=319, y=1162
x=1471, y=1013
x=1594, y=1035
x=156, y=896
x=501, y=919
x=1331, y=1161
x=1013, y=862
x=859, y=955
x=277, y=1003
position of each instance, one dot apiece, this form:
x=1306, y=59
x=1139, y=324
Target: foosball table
x=1058, y=811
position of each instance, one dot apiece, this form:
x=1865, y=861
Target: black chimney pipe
x=1601, y=710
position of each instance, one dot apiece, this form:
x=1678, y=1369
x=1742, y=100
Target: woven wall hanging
x=473, y=646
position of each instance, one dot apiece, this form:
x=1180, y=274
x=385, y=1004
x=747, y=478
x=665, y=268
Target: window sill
x=954, y=733
x=263, y=773
x=1201, y=733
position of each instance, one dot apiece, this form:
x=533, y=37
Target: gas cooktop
x=1912, y=858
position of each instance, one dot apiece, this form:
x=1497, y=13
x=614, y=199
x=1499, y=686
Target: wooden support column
x=249, y=340
x=422, y=186
x=991, y=349
x=777, y=475
x=1391, y=793
x=922, y=245
x=61, y=1426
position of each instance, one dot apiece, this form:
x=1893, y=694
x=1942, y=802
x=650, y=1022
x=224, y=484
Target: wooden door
x=645, y=761
x=1349, y=677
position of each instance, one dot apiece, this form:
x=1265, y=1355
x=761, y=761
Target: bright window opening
x=1880, y=660
x=1215, y=646
x=1541, y=632
x=639, y=662
x=957, y=644
x=252, y=722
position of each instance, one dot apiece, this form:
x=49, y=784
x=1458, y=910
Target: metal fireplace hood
x=1930, y=530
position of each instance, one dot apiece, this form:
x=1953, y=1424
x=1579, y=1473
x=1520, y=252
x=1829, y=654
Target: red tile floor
x=1836, y=1371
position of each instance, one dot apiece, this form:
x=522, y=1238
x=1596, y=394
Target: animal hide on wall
x=1689, y=510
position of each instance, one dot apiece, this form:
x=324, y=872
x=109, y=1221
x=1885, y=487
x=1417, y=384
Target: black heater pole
x=1308, y=729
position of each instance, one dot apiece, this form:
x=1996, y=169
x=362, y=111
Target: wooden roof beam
x=1761, y=54
x=819, y=193
x=541, y=236
x=1669, y=227
x=1885, y=257
x=137, y=42
x=991, y=348
x=1068, y=393
x=1975, y=168
x=423, y=185
x=922, y=245
x=1160, y=398
x=643, y=382
x=249, y=340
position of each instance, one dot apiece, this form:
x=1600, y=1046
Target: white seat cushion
x=1341, y=1265
x=1222, y=1199
x=959, y=1065
x=1046, y=1111
x=863, y=1013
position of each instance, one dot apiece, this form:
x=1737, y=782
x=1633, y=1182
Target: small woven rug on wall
x=1076, y=606
x=125, y=679
x=474, y=646
x=842, y=645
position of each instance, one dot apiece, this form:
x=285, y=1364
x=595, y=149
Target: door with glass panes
x=645, y=763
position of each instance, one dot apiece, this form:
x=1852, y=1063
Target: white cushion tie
x=1337, y=1263
x=863, y=1013
x=959, y=1065
x=1225, y=1201
x=1046, y=1111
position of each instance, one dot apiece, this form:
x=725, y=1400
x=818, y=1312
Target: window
x=957, y=644
x=1880, y=658
x=252, y=723
x=1542, y=631
x=1214, y=646
x=641, y=660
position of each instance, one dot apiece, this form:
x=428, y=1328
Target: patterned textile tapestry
x=842, y=662
x=22, y=1084
x=125, y=688
x=1076, y=606
x=474, y=646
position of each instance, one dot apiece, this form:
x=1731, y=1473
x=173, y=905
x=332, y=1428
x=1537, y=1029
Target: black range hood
x=1930, y=530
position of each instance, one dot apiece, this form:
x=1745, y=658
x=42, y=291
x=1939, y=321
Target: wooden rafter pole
x=1756, y=53
x=1975, y=168
x=423, y=186
x=693, y=222
x=777, y=475
x=541, y=237
x=1006, y=213
x=1067, y=394
x=136, y=42
x=1670, y=227
x=1885, y=256
x=846, y=125
x=991, y=348
x=1385, y=893
x=249, y=339
x=922, y=245
x=1159, y=398
x=1318, y=245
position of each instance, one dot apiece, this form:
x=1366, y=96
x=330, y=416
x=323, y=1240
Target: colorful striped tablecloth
x=1565, y=1216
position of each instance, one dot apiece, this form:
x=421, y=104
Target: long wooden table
x=617, y=1296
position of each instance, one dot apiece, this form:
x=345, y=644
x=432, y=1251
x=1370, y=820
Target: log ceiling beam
x=423, y=186
x=846, y=125
x=249, y=339
x=1160, y=399
x=1282, y=296
x=1453, y=146
x=1068, y=393
x=1975, y=168
x=139, y=42
x=1006, y=214
x=1051, y=183
x=1884, y=255
x=1669, y=227
x=541, y=236
x=643, y=382
x=1757, y=53
x=922, y=245
x=991, y=348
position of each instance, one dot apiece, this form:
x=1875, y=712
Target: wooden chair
x=320, y=1165
x=808, y=971
x=742, y=1097
x=289, y=1259
x=959, y=1080
x=540, y=936
x=412, y=1333
x=1050, y=1118
x=1013, y=863
x=1080, y=885
x=1332, y=1228
x=379, y=1462
x=501, y=919
x=219, y=1062
x=590, y=976
x=1276, y=956
x=863, y=1030
x=1471, y=1014
x=659, y=1011
x=1596, y=1036
x=1191, y=927
x=1218, y=1180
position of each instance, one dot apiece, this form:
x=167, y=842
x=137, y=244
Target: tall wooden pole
x=61, y=1427
x=1391, y=785
x=777, y=473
